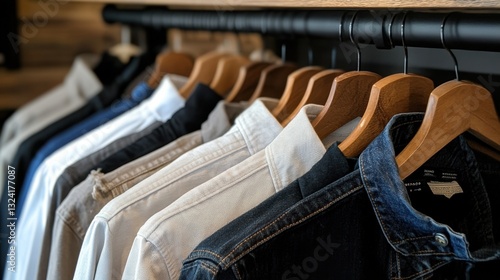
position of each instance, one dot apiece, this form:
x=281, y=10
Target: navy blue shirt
x=368, y=224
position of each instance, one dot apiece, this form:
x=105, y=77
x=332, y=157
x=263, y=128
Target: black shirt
x=186, y=120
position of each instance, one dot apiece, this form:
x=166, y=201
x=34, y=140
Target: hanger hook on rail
x=393, y=17
x=403, y=42
x=457, y=76
x=351, y=36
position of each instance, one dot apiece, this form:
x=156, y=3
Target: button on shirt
x=86, y=200
x=369, y=224
x=160, y=107
x=112, y=232
x=140, y=93
x=170, y=235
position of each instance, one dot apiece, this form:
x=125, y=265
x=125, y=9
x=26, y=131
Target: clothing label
x=439, y=174
x=414, y=186
x=448, y=189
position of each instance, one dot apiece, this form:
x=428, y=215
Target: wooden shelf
x=234, y=4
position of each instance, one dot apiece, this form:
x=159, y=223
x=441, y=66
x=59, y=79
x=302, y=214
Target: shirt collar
x=82, y=77
x=164, y=98
x=220, y=120
x=257, y=124
x=409, y=232
x=297, y=141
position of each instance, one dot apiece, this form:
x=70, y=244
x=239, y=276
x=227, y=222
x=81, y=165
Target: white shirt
x=80, y=85
x=168, y=237
x=111, y=234
x=75, y=214
x=159, y=107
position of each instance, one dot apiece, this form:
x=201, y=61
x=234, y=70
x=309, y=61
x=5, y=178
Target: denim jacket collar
x=408, y=231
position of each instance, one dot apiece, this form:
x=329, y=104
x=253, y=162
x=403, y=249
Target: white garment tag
x=447, y=189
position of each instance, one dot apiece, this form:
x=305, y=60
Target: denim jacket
x=437, y=224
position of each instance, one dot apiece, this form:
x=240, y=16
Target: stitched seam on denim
x=281, y=229
x=211, y=270
x=238, y=275
x=398, y=263
x=413, y=239
x=368, y=191
x=421, y=272
x=166, y=182
x=208, y=252
x=171, y=214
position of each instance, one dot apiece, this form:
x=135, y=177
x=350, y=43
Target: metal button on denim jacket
x=368, y=224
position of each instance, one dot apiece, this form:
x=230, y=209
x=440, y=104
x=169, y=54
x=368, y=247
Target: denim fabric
x=369, y=224
x=188, y=119
x=140, y=93
x=168, y=237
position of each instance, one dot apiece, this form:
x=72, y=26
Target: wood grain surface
x=228, y=4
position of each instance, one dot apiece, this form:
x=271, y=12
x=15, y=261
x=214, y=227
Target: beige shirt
x=110, y=236
x=76, y=212
x=168, y=237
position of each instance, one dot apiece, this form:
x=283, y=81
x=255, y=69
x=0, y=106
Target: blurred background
x=48, y=37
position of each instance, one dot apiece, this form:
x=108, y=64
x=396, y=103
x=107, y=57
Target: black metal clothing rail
x=467, y=31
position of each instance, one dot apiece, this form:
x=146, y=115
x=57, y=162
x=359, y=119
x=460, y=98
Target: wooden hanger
x=272, y=81
x=227, y=73
x=347, y=100
x=247, y=81
x=318, y=86
x=348, y=95
x=203, y=71
x=453, y=108
x=171, y=63
x=296, y=86
x=398, y=93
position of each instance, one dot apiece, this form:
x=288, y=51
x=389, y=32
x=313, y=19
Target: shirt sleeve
x=95, y=256
x=145, y=262
x=64, y=251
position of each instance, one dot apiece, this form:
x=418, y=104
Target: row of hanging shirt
x=237, y=178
